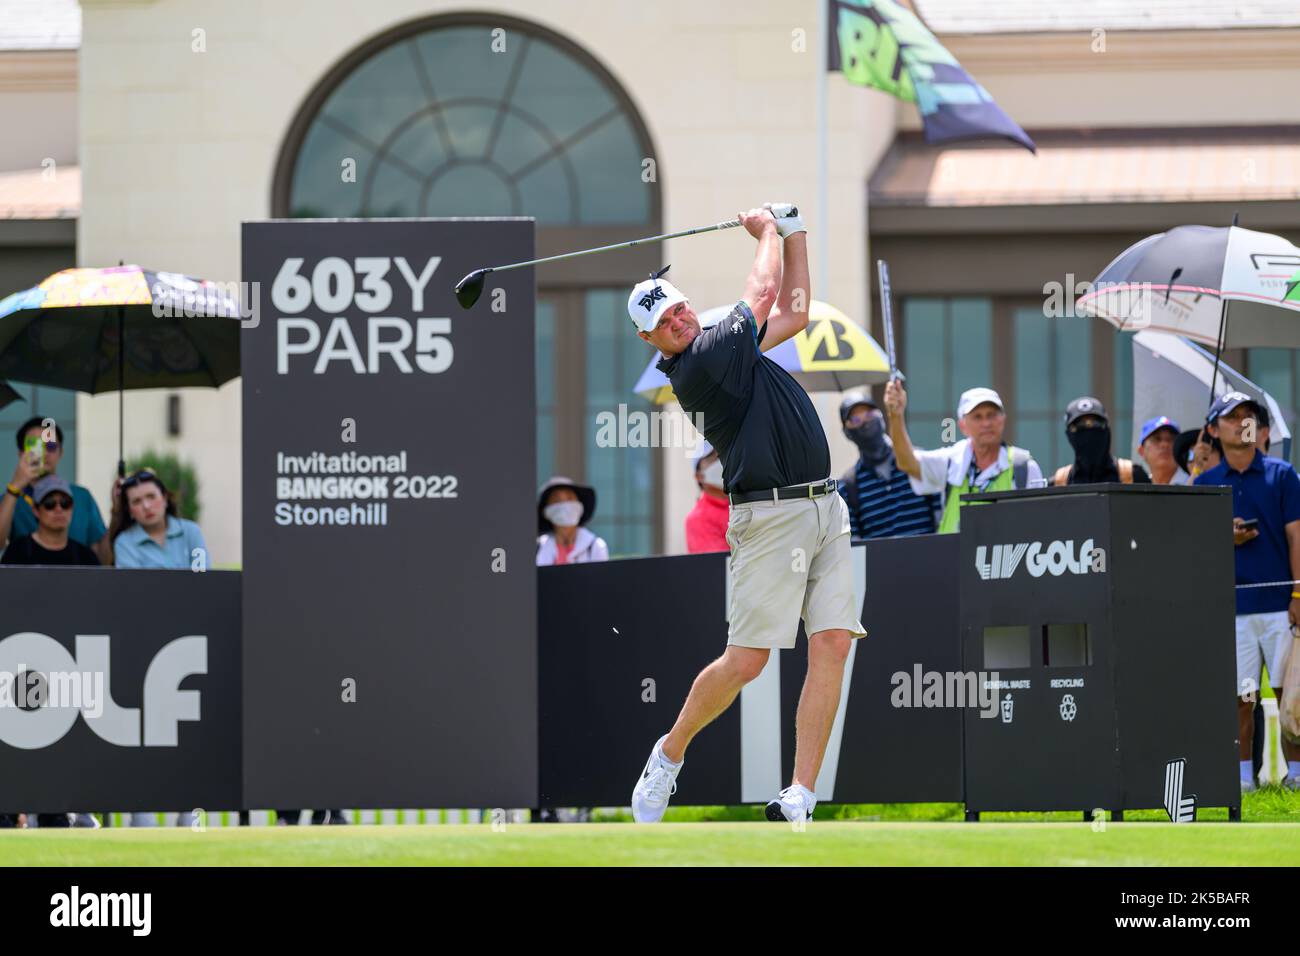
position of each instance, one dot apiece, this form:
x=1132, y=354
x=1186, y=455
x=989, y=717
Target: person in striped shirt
x=879, y=494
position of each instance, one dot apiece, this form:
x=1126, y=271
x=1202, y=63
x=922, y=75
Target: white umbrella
x=1189, y=279
x=1171, y=376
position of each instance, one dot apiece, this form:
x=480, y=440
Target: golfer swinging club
x=788, y=527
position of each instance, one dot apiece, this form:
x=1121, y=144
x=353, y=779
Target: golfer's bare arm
x=789, y=316
x=896, y=403
x=764, y=282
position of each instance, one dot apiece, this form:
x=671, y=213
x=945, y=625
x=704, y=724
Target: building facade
x=610, y=120
x=40, y=183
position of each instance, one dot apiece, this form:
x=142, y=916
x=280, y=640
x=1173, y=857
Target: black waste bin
x=1107, y=613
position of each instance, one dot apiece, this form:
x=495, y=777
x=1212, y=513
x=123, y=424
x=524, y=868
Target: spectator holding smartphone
x=38, y=457
x=1266, y=532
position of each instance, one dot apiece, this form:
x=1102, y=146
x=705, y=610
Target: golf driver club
x=470, y=288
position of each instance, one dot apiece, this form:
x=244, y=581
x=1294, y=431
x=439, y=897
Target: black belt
x=814, y=490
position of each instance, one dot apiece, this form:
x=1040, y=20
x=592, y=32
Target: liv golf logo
x=44, y=689
x=1181, y=809
x=1056, y=558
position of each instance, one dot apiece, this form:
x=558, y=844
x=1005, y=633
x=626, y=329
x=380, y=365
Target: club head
x=470, y=288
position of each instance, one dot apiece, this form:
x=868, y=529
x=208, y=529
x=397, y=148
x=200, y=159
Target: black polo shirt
x=759, y=419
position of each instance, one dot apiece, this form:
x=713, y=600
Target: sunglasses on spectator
x=135, y=479
x=62, y=502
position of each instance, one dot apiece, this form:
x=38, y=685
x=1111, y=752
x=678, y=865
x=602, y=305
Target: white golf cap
x=976, y=396
x=649, y=300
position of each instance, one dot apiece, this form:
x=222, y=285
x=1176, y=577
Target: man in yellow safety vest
x=979, y=462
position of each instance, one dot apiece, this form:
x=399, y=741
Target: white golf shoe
x=795, y=803
x=658, y=782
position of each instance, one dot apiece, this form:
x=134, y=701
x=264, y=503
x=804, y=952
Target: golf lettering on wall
x=43, y=688
x=103, y=706
x=388, y=448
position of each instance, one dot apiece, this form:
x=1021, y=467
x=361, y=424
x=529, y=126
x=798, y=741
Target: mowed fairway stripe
x=696, y=844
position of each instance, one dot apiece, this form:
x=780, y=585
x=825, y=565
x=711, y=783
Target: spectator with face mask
x=879, y=494
x=1087, y=428
x=706, y=525
x=563, y=507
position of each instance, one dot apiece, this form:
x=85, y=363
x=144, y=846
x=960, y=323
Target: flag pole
x=823, y=153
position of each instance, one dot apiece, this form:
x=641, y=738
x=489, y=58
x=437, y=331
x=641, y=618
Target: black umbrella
x=1225, y=287
x=100, y=330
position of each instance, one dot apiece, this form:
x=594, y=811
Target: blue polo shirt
x=1268, y=490
x=133, y=548
x=86, y=526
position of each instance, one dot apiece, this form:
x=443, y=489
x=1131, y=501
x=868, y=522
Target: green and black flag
x=882, y=44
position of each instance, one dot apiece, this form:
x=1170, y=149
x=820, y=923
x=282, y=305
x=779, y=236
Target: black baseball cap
x=854, y=398
x=1085, y=405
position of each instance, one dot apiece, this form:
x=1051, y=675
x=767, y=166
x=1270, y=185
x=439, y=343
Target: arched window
x=466, y=115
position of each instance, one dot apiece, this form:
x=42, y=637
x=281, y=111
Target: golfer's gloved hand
x=786, y=224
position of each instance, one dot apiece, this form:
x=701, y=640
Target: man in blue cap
x=1156, y=448
x=1266, y=532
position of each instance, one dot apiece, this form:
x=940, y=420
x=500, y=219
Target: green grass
x=841, y=843
x=844, y=835
x=1267, y=805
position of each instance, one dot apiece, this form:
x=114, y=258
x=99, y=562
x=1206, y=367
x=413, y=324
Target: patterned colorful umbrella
x=833, y=354
x=97, y=330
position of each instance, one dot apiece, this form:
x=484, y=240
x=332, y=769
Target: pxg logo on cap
x=650, y=299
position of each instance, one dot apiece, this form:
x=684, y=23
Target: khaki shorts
x=789, y=560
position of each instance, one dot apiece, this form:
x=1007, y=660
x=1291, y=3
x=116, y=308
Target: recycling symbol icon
x=1068, y=707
